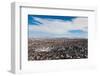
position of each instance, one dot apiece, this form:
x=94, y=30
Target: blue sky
x=32, y=21
x=57, y=26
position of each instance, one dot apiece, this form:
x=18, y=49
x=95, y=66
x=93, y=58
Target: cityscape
x=57, y=37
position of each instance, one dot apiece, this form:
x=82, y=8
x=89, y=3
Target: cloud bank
x=77, y=28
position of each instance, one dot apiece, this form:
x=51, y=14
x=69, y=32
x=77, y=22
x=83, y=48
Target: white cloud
x=56, y=26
